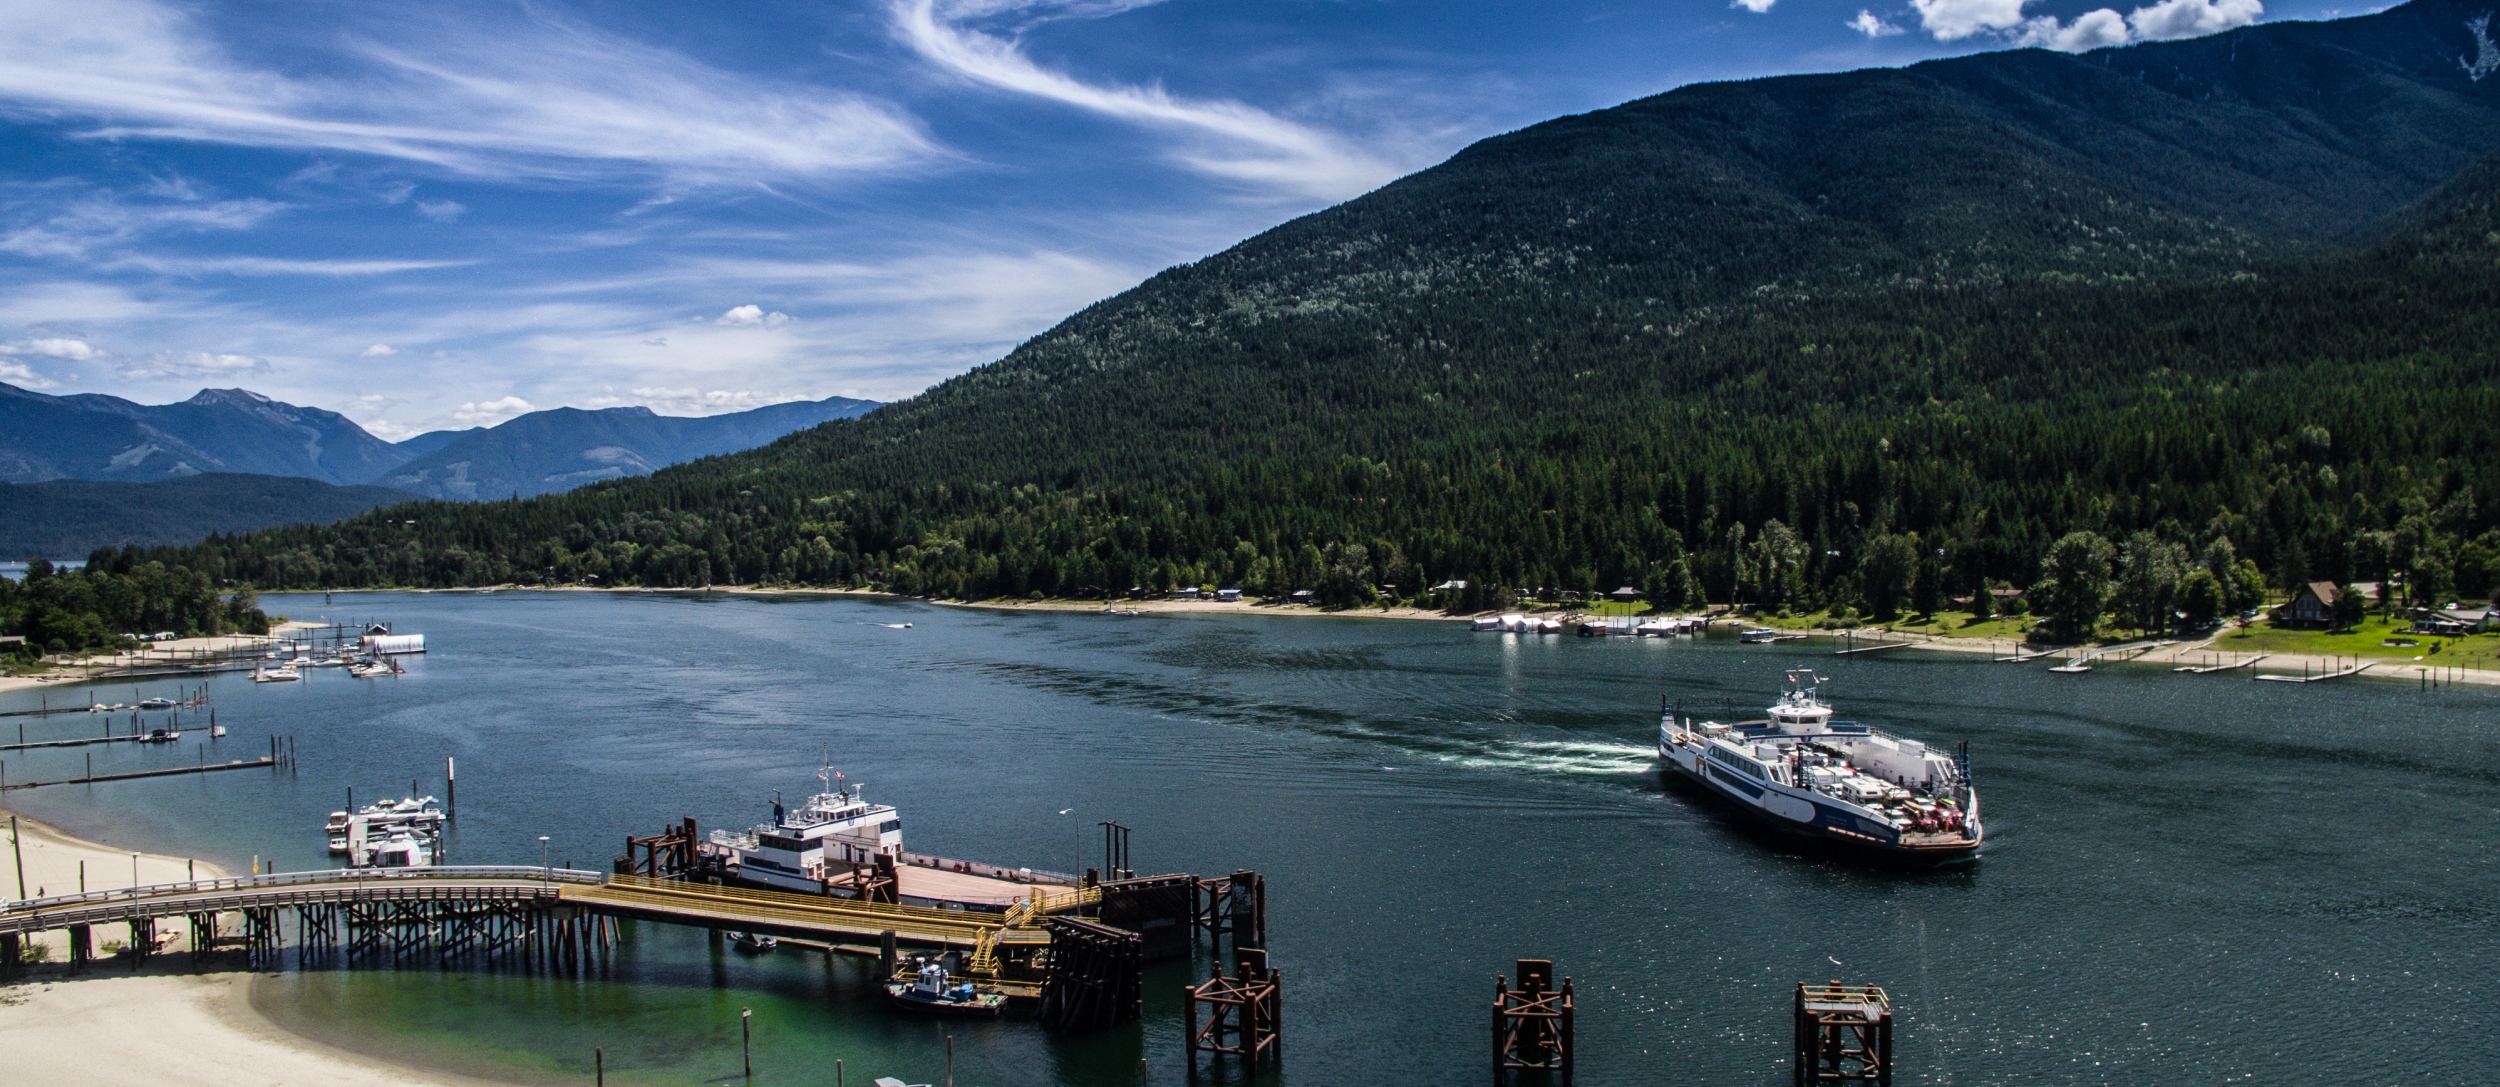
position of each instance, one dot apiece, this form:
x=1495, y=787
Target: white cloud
x=1228, y=140
x=1757, y=7
x=2091, y=30
x=693, y=402
x=17, y=373
x=2192, y=18
x=1869, y=24
x=77, y=227
x=441, y=211
x=750, y=314
x=657, y=341
x=377, y=351
x=490, y=412
x=192, y=365
x=521, y=95
x=1953, y=20
x=57, y=347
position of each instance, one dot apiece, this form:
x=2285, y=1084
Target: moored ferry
x=1803, y=772
x=840, y=845
x=823, y=840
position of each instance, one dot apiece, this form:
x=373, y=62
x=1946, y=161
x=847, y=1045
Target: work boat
x=1837, y=781
x=820, y=841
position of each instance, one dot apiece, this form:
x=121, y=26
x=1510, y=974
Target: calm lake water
x=2189, y=879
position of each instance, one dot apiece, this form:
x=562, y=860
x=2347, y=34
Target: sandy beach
x=163, y=1026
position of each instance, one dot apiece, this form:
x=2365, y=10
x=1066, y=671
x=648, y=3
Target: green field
x=2365, y=641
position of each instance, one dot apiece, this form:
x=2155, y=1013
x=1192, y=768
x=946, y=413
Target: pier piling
x=1533, y=1024
x=1244, y=1011
x=1844, y=1035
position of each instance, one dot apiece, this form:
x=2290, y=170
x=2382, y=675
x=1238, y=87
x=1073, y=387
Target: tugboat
x=1840, y=782
x=929, y=988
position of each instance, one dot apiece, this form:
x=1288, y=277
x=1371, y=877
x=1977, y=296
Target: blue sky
x=445, y=214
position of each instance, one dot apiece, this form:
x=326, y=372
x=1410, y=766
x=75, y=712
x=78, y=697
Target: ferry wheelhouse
x=1803, y=772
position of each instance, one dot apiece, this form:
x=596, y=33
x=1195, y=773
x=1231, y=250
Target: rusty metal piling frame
x=1844, y=1035
x=1533, y=1024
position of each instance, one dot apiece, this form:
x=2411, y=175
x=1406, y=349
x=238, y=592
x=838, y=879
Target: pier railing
x=320, y=878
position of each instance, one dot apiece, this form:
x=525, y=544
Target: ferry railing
x=322, y=877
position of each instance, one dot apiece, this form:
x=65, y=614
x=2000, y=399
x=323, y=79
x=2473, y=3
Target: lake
x=2188, y=879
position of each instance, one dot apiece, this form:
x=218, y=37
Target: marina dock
x=204, y=767
x=2321, y=677
x=2212, y=668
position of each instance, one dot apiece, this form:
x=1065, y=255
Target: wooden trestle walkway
x=539, y=911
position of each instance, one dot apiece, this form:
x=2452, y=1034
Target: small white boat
x=1759, y=636
x=280, y=674
x=157, y=704
x=374, y=669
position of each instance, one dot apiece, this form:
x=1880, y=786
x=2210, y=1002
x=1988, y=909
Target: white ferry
x=820, y=842
x=1837, y=781
x=838, y=844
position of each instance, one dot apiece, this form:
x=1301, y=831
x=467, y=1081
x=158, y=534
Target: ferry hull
x=1799, y=816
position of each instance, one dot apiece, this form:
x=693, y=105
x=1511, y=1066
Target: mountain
x=1739, y=338
x=67, y=518
x=90, y=436
x=560, y=449
x=236, y=431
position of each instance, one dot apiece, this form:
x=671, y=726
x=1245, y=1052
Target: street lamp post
x=134, y=871
x=543, y=871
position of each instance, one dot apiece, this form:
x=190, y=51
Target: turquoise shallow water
x=2190, y=879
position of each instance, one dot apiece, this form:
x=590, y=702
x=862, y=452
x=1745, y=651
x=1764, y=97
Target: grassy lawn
x=2479, y=650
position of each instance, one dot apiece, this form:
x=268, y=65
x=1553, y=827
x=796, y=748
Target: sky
x=446, y=214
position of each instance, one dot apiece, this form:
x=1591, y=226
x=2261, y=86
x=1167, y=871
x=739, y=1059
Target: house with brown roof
x=2313, y=608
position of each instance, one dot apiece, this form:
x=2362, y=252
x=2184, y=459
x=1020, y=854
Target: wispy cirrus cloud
x=192, y=365
x=1224, y=139
x=512, y=97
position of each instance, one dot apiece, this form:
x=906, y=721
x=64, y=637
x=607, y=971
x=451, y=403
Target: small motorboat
x=753, y=943
x=374, y=669
x=157, y=704
x=931, y=989
x=280, y=674
x=161, y=736
x=1759, y=636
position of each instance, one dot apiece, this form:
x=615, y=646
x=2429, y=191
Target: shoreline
x=202, y=1028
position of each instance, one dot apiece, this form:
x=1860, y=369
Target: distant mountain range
x=232, y=460
x=237, y=431
x=550, y=451
x=89, y=436
x=67, y=518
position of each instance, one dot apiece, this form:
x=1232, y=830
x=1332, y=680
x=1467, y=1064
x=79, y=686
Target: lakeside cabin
x=2311, y=608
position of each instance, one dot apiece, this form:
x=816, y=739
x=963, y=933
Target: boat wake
x=1564, y=757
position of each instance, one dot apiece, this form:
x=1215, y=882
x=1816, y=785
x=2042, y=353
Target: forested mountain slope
x=2199, y=289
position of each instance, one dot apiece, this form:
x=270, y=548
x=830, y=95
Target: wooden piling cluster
x=1233, y=906
x=669, y=854
x=1533, y=1024
x=524, y=932
x=1097, y=976
x=1844, y=1035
